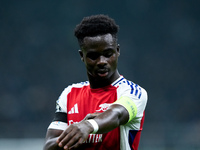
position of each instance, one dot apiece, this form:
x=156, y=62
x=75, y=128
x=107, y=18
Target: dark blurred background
x=159, y=43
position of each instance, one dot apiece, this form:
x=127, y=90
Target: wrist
x=94, y=125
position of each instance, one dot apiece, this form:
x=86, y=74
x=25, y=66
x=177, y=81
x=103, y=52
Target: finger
x=64, y=137
x=79, y=141
x=74, y=140
x=87, y=116
x=91, y=116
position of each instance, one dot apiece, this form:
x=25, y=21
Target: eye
x=108, y=54
x=93, y=56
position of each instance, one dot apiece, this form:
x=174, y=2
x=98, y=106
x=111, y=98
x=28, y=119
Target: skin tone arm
x=51, y=138
x=76, y=134
x=53, y=135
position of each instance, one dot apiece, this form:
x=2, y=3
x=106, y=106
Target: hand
x=74, y=135
x=91, y=116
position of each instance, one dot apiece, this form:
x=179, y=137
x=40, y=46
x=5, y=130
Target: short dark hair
x=96, y=25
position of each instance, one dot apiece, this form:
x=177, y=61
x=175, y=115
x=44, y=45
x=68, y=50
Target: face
x=100, y=55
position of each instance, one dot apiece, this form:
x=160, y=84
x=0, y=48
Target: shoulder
x=129, y=88
x=69, y=88
x=74, y=85
x=61, y=102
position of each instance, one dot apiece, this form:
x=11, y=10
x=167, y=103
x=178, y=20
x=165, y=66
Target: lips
x=102, y=72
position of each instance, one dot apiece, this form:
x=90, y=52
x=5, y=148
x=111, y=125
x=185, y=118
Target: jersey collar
x=118, y=80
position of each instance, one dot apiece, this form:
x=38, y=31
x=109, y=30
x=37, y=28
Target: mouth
x=102, y=73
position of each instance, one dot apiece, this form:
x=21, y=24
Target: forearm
x=51, y=144
x=51, y=140
x=119, y=113
x=112, y=118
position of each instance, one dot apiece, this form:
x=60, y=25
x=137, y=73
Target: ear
x=118, y=49
x=81, y=54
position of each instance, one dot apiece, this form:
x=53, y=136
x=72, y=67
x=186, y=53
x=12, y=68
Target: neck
x=102, y=82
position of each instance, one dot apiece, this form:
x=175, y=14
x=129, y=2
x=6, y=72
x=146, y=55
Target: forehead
x=99, y=41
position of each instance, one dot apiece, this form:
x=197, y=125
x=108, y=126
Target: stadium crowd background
x=160, y=50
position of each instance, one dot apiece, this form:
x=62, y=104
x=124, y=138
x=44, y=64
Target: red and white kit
x=78, y=100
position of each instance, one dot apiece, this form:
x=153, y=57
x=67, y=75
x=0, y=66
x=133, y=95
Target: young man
x=108, y=111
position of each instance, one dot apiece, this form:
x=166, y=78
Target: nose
x=102, y=61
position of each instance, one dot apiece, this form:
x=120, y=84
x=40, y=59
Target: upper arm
x=120, y=113
x=129, y=107
x=137, y=94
